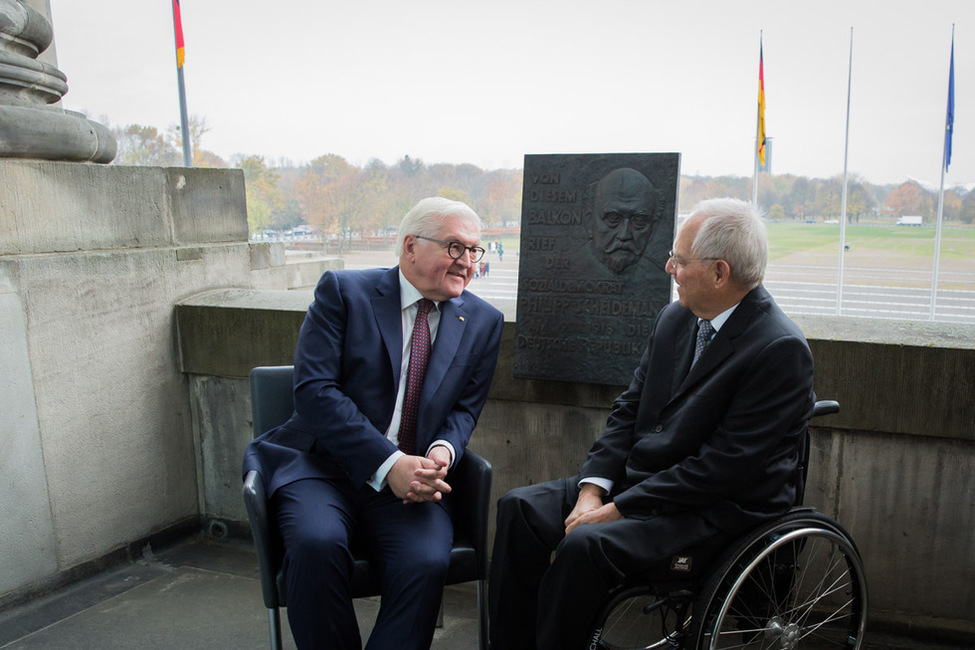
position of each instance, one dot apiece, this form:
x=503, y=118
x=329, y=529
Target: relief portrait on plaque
x=595, y=234
x=625, y=207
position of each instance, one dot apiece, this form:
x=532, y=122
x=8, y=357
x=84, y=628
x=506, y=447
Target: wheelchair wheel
x=797, y=583
x=637, y=619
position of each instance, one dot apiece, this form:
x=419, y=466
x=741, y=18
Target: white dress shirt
x=409, y=299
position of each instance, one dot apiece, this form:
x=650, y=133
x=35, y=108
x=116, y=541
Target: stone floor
x=198, y=594
x=203, y=593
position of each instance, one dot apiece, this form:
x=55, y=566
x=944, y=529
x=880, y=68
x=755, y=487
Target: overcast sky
x=488, y=82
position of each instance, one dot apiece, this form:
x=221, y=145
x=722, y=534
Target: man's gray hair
x=733, y=231
x=427, y=217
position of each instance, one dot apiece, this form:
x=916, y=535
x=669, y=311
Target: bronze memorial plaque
x=596, y=230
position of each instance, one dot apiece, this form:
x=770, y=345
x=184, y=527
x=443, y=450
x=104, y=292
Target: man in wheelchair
x=702, y=446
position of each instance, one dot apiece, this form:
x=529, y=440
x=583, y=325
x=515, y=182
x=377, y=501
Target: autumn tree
x=828, y=197
x=859, y=200
x=455, y=194
x=199, y=157
x=322, y=191
x=801, y=198
x=951, y=208
x=909, y=198
x=502, y=203
x=264, y=196
x=967, y=208
x=144, y=145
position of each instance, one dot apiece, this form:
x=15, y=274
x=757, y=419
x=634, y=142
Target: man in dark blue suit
x=361, y=456
x=701, y=446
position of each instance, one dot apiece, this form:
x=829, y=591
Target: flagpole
x=183, y=119
x=945, y=161
x=846, y=156
x=758, y=121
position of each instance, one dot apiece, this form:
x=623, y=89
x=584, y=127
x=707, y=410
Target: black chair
x=272, y=403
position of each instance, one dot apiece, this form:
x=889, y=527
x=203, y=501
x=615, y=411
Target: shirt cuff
x=450, y=448
x=378, y=480
x=604, y=483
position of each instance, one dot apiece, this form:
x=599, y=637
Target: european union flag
x=950, y=119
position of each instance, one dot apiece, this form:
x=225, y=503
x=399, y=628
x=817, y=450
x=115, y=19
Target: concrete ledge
x=97, y=207
x=227, y=332
x=913, y=378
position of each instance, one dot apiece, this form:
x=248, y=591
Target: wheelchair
x=797, y=582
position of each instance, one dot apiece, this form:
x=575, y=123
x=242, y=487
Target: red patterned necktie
x=419, y=357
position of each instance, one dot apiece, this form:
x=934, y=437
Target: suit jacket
x=347, y=371
x=722, y=440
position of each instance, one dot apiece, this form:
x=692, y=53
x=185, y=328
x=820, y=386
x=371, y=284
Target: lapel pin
x=461, y=318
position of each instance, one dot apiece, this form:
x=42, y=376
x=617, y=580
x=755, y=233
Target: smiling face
x=696, y=281
x=428, y=266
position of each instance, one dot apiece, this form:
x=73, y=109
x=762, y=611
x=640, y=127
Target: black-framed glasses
x=684, y=261
x=456, y=249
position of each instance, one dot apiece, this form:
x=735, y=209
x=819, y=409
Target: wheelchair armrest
x=825, y=407
x=471, y=482
x=255, y=500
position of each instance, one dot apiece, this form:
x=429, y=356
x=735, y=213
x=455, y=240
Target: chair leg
x=274, y=624
x=482, y=614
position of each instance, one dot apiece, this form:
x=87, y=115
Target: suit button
x=659, y=428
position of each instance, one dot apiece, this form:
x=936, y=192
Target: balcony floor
x=205, y=593
x=199, y=593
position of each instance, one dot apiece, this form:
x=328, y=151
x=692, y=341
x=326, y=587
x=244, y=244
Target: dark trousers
x=542, y=601
x=410, y=544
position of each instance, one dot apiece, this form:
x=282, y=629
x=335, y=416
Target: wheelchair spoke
x=798, y=588
x=637, y=619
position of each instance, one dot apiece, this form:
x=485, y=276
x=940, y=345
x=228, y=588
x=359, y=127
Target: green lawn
x=786, y=239
x=896, y=241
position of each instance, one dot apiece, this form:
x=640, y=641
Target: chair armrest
x=255, y=500
x=471, y=482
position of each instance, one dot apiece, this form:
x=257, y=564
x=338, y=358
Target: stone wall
x=97, y=446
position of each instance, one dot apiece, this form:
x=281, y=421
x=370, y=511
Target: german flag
x=761, y=107
x=178, y=26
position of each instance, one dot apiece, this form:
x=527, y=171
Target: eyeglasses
x=684, y=261
x=456, y=249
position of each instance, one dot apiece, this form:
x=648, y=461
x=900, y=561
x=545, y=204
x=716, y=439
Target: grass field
x=879, y=255
x=785, y=239
x=892, y=241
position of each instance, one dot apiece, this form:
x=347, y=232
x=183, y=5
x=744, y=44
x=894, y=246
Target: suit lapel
x=387, y=311
x=453, y=322
x=683, y=354
x=722, y=345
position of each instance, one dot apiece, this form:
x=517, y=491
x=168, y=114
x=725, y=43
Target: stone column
x=30, y=127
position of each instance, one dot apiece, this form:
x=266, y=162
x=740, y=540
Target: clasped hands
x=416, y=479
x=590, y=509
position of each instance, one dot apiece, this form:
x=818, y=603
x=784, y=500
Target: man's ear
x=409, y=243
x=722, y=273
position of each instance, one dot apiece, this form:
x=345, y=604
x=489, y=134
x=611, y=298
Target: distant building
x=767, y=167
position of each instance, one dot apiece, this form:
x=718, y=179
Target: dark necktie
x=419, y=357
x=704, y=333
